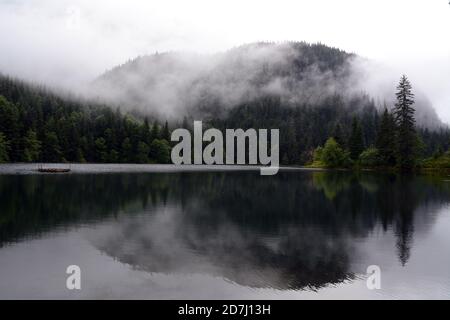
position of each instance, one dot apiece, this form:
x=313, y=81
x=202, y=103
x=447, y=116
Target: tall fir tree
x=155, y=132
x=406, y=149
x=31, y=147
x=356, y=142
x=338, y=135
x=4, y=148
x=165, y=133
x=146, y=131
x=386, y=138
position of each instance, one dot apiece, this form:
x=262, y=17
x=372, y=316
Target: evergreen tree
x=4, y=147
x=113, y=156
x=185, y=123
x=127, y=150
x=51, y=151
x=142, y=154
x=31, y=147
x=68, y=128
x=160, y=151
x=338, y=135
x=155, y=134
x=385, y=142
x=10, y=127
x=101, y=150
x=146, y=132
x=356, y=143
x=165, y=134
x=406, y=149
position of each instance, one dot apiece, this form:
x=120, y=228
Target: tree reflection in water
x=294, y=230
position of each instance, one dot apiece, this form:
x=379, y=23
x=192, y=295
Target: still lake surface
x=158, y=232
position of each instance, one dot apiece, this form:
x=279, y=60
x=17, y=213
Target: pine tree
x=51, y=151
x=101, y=150
x=160, y=151
x=146, y=132
x=155, y=131
x=356, y=143
x=385, y=142
x=4, y=147
x=127, y=151
x=142, y=152
x=165, y=134
x=9, y=126
x=31, y=147
x=337, y=135
x=406, y=149
x=185, y=123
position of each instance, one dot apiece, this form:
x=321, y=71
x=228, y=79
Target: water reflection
x=294, y=230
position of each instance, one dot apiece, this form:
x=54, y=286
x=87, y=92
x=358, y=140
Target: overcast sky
x=71, y=41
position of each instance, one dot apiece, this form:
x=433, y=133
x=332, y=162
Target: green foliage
x=407, y=142
x=386, y=139
x=101, y=150
x=333, y=156
x=10, y=127
x=142, y=152
x=370, y=157
x=160, y=150
x=441, y=161
x=51, y=148
x=165, y=133
x=356, y=143
x=155, y=133
x=318, y=154
x=81, y=131
x=338, y=134
x=31, y=147
x=38, y=125
x=127, y=150
x=4, y=147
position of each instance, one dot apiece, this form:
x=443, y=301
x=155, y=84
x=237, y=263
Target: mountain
x=201, y=85
x=39, y=125
x=309, y=91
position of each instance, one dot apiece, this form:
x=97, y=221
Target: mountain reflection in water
x=295, y=230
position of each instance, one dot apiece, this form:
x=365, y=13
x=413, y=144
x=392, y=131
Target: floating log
x=53, y=170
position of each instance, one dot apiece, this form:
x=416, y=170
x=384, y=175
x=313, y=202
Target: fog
x=176, y=83
x=69, y=43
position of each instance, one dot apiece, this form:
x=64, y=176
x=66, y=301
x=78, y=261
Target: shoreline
x=94, y=168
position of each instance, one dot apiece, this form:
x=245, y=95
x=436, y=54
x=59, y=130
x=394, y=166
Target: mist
x=172, y=85
x=176, y=83
x=67, y=44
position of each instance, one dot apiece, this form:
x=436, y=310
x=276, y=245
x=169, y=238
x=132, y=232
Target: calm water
x=153, y=232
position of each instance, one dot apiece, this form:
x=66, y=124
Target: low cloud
x=68, y=43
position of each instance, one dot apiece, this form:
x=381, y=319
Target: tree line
x=397, y=142
x=39, y=126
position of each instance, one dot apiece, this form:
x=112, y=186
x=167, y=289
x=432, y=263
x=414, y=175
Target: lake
x=164, y=232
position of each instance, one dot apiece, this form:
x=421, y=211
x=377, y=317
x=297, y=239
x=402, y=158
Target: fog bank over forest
x=176, y=84
x=68, y=43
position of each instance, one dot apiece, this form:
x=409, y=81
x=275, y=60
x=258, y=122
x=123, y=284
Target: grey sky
x=68, y=42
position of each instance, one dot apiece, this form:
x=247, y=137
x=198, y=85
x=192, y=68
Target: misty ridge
x=309, y=92
x=173, y=85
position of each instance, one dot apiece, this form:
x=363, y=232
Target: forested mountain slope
x=37, y=124
x=308, y=91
